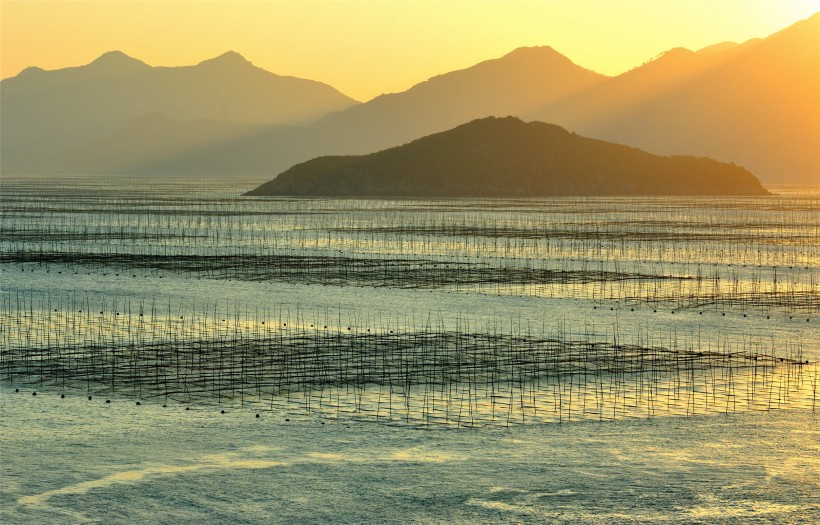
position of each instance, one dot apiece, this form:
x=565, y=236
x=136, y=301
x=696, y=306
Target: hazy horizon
x=227, y=115
x=333, y=42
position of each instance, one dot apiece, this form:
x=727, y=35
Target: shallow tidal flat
x=309, y=341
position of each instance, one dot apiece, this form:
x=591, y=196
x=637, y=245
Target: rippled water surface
x=202, y=357
x=71, y=460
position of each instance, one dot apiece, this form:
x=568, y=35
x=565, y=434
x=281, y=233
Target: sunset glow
x=410, y=261
x=372, y=47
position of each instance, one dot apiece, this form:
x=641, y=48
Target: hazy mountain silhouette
x=514, y=84
x=494, y=157
x=519, y=82
x=753, y=103
x=756, y=104
x=46, y=113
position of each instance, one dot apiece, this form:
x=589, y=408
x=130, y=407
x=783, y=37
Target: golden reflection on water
x=229, y=460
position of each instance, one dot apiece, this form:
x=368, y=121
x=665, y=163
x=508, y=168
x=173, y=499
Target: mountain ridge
x=506, y=157
x=752, y=103
x=47, y=114
x=436, y=104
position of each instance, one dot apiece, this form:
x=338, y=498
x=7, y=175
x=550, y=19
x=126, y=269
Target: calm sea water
x=74, y=461
x=730, y=275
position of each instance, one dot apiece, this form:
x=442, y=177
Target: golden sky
x=365, y=48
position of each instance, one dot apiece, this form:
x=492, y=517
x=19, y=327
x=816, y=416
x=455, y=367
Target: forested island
x=506, y=157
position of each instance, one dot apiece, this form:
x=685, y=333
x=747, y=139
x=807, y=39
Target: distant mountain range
x=519, y=82
x=506, y=157
x=755, y=104
x=49, y=118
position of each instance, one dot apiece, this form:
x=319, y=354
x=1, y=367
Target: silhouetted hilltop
x=518, y=82
x=514, y=84
x=506, y=157
x=228, y=59
x=51, y=113
x=755, y=103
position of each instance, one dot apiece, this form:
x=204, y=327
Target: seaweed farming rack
x=403, y=372
x=725, y=255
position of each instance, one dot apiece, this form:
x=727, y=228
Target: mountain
x=755, y=103
x=49, y=113
x=506, y=157
x=516, y=83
